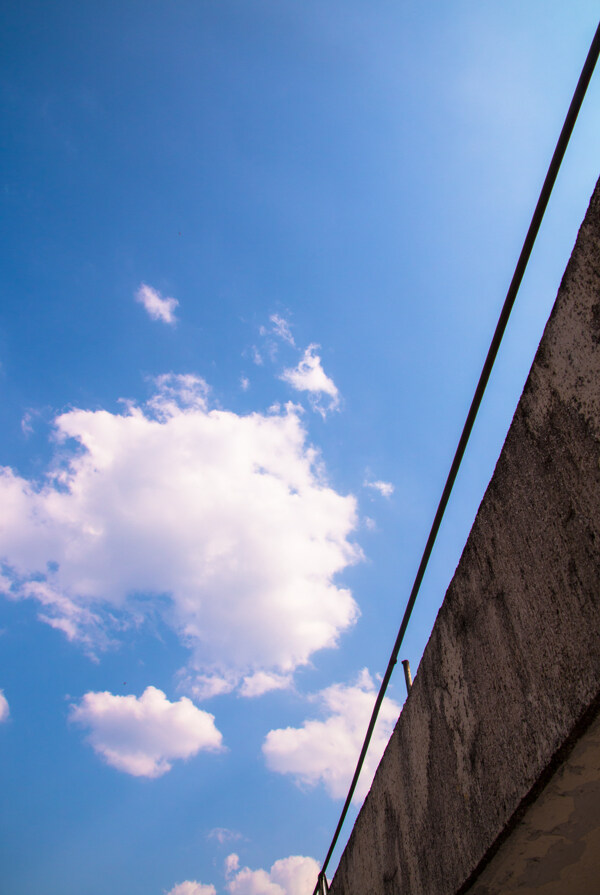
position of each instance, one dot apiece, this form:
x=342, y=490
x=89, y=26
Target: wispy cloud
x=143, y=736
x=386, y=489
x=223, y=523
x=158, y=308
x=310, y=377
x=281, y=329
x=257, y=357
x=271, y=336
x=27, y=423
x=223, y=835
x=326, y=751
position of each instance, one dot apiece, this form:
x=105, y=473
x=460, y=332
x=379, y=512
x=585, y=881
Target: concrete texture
x=510, y=679
x=554, y=849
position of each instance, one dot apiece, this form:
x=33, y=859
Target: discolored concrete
x=554, y=849
x=509, y=683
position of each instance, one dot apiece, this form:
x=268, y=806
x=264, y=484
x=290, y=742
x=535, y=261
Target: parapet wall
x=511, y=672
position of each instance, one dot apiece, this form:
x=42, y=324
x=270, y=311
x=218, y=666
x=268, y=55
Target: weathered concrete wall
x=513, y=662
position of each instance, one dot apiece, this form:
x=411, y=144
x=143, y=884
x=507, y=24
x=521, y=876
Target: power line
x=536, y=220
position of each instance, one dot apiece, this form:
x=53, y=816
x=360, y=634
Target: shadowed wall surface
x=509, y=683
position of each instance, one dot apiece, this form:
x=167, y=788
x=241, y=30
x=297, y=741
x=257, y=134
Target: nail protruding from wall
x=407, y=674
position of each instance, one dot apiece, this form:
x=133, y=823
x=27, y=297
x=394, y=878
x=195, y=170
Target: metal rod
x=322, y=884
x=407, y=674
x=536, y=220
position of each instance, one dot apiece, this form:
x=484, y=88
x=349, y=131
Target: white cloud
x=386, y=489
x=27, y=424
x=176, y=392
x=295, y=875
x=309, y=376
x=158, y=308
x=143, y=736
x=222, y=523
x=260, y=682
x=232, y=863
x=76, y=622
x=4, y=707
x=281, y=329
x=327, y=751
x=191, y=887
x=245, y=383
x=204, y=686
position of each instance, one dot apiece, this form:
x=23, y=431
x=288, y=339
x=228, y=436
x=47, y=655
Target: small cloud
x=191, y=887
x=257, y=356
x=4, y=707
x=232, y=863
x=204, y=686
x=158, y=308
x=309, y=376
x=177, y=391
x=386, y=489
x=262, y=682
x=369, y=523
x=281, y=329
x=326, y=751
x=223, y=835
x=26, y=423
x=295, y=875
x=245, y=383
x=143, y=736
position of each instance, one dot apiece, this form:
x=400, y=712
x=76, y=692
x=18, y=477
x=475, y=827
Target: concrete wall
x=511, y=672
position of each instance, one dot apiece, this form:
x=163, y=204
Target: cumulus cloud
x=158, y=308
x=4, y=708
x=386, y=489
x=309, y=376
x=143, y=736
x=326, y=751
x=191, y=887
x=222, y=523
x=295, y=875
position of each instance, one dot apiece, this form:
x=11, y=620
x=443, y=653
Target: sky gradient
x=253, y=254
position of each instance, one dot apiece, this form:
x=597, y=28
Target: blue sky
x=253, y=255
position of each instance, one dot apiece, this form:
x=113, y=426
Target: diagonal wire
x=536, y=220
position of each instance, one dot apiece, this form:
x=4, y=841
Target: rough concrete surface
x=511, y=672
x=554, y=849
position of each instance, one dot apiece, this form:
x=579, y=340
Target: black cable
x=536, y=220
